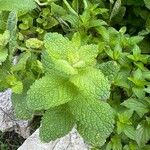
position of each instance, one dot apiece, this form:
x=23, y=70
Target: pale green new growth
x=61, y=49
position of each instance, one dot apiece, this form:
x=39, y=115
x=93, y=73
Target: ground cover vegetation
x=80, y=63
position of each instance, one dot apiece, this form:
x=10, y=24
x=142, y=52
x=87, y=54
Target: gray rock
x=8, y=122
x=72, y=141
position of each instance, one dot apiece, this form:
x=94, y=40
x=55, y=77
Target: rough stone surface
x=72, y=141
x=7, y=119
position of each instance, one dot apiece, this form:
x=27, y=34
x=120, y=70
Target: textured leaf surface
x=20, y=106
x=3, y=54
x=49, y=91
x=88, y=53
x=91, y=135
x=64, y=67
x=57, y=46
x=95, y=115
x=56, y=123
x=92, y=83
x=109, y=69
x=143, y=133
x=12, y=28
x=18, y=5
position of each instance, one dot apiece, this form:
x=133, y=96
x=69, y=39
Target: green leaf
x=49, y=91
x=93, y=115
x=57, y=46
x=18, y=87
x=12, y=28
x=147, y=3
x=3, y=20
x=21, y=65
x=17, y=5
x=91, y=135
x=115, y=9
x=76, y=39
x=64, y=67
x=56, y=123
x=115, y=143
x=88, y=54
x=124, y=121
x=34, y=43
x=143, y=133
x=122, y=78
x=147, y=89
x=139, y=92
x=139, y=105
x=92, y=83
x=129, y=131
x=58, y=10
x=109, y=69
x=65, y=57
x=20, y=106
x=3, y=54
x=4, y=38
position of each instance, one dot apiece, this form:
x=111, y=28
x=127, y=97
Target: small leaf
x=18, y=87
x=115, y=9
x=34, y=43
x=12, y=28
x=138, y=105
x=129, y=131
x=21, y=64
x=143, y=133
x=114, y=144
x=3, y=54
x=139, y=92
x=64, y=67
x=58, y=10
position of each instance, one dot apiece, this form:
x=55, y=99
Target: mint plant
x=82, y=64
x=72, y=91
